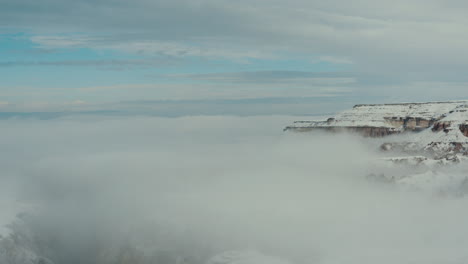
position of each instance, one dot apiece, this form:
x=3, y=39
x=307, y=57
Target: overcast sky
x=230, y=57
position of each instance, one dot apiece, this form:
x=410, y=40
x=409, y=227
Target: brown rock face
x=456, y=147
x=409, y=123
x=439, y=126
x=415, y=124
x=379, y=120
x=464, y=129
x=363, y=131
x=373, y=131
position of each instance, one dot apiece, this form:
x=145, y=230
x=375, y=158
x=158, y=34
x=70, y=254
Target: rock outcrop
x=439, y=127
x=464, y=129
x=379, y=120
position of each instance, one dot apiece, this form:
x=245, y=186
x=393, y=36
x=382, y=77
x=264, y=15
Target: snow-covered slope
x=454, y=131
x=383, y=115
x=428, y=138
x=386, y=115
x=440, y=126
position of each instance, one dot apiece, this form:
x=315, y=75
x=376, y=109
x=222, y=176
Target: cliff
x=435, y=126
x=378, y=120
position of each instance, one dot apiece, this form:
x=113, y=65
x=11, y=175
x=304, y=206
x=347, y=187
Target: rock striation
x=427, y=138
x=436, y=127
x=379, y=120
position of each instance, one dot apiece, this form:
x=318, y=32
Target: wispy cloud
x=109, y=64
x=397, y=35
x=332, y=59
x=136, y=44
x=383, y=46
x=310, y=78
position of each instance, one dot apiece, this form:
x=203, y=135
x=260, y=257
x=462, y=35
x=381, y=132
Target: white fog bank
x=191, y=188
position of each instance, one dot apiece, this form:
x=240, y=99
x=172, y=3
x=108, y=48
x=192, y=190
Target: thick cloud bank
x=184, y=190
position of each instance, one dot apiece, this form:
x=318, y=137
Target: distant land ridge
x=416, y=103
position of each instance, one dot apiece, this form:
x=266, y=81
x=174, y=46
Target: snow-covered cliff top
x=455, y=117
x=388, y=115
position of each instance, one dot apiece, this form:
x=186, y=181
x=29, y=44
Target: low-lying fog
x=182, y=190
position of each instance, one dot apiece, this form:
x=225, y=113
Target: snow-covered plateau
x=425, y=137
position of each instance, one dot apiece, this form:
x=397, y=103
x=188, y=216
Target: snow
x=458, y=117
x=9, y=209
x=375, y=115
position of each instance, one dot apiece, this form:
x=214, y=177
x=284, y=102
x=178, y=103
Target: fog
x=181, y=190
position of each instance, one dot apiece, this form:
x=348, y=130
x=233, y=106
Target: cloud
x=154, y=47
x=386, y=46
x=334, y=60
x=266, y=106
x=61, y=41
x=290, y=77
x=190, y=188
x=235, y=93
x=4, y=104
x=107, y=64
x=397, y=36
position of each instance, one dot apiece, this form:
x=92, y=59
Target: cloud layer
x=397, y=34
x=198, y=186
x=410, y=51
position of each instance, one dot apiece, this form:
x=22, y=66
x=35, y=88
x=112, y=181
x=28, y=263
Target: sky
x=253, y=57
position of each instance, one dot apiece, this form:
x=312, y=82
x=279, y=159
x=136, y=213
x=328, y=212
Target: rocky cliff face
x=387, y=119
x=366, y=131
x=464, y=129
x=427, y=139
x=439, y=125
x=439, y=128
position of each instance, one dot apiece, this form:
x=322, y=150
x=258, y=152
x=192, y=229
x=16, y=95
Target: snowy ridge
x=379, y=115
x=451, y=137
x=429, y=138
x=442, y=127
x=385, y=115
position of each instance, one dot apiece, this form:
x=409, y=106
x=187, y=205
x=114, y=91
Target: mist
x=181, y=190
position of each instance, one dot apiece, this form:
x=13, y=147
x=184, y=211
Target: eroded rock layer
x=440, y=127
x=388, y=119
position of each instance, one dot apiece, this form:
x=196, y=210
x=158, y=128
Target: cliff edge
x=433, y=126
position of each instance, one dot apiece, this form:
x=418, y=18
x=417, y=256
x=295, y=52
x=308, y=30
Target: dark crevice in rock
x=464, y=129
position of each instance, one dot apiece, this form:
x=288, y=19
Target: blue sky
x=94, y=55
x=60, y=66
